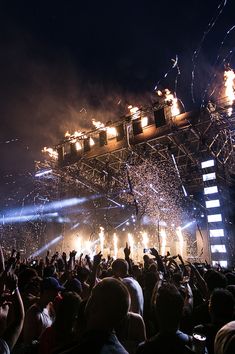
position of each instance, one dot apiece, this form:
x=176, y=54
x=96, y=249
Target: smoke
x=44, y=94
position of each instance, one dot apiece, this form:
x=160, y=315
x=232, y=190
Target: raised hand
x=127, y=250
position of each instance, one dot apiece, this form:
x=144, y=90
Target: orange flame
x=52, y=153
x=229, y=77
x=173, y=101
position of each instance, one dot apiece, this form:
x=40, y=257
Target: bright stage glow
x=217, y=233
x=144, y=122
x=210, y=190
x=92, y=142
x=218, y=248
x=223, y=264
x=43, y=173
x=46, y=247
x=25, y=218
x=209, y=176
x=212, y=203
x=51, y=206
x=214, y=218
x=78, y=146
x=208, y=163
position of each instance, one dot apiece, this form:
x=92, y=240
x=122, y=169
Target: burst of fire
x=115, y=245
x=181, y=240
x=52, y=153
x=229, y=77
x=170, y=98
x=163, y=241
x=134, y=111
x=131, y=242
x=101, y=236
x=76, y=134
x=97, y=124
x=145, y=239
x=112, y=132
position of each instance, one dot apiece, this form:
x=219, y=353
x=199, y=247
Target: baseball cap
x=51, y=283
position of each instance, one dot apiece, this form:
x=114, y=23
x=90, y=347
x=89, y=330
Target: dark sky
x=57, y=57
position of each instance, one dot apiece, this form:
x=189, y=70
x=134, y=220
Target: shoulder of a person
x=4, y=349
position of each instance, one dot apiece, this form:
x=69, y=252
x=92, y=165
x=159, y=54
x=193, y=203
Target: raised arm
x=12, y=332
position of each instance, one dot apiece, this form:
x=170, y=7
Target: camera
x=147, y=250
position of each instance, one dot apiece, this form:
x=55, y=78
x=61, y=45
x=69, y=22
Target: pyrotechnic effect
x=173, y=101
x=145, y=239
x=181, y=240
x=163, y=241
x=51, y=152
x=131, y=242
x=76, y=134
x=115, y=246
x=101, y=237
x=111, y=131
x=134, y=111
x=229, y=77
x=79, y=245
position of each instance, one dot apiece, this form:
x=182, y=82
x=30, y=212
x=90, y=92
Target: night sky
x=65, y=62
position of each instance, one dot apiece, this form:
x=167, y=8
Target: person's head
x=221, y=306
x=25, y=277
x=168, y=307
x=107, y=305
x=74, y=285
x=83, y=274
x=230, y=278
x=50, y=287
x=225, y=339
x=120, y=268
x=150, y=280
x=66, y=315
x=215, y=280
x=49, y=271
x=231, y=289
x=33, y=286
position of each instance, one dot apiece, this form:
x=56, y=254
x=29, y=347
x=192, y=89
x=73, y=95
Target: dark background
x=65, y=62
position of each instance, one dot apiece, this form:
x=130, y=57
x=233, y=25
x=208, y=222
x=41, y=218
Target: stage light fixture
x=209, y=176
x=214, y=218
x=217, y=233
x=208, y=163
x=210, y=190
x=223, y=264
x=215, y=203
x=218, y=249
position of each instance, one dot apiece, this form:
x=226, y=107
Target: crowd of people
x=75, y=304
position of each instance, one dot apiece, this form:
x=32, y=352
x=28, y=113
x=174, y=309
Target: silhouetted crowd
x=74, y=304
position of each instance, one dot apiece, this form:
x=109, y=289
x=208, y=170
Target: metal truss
x=212, y=134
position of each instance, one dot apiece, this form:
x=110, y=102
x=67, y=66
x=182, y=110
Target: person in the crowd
x=40, y=315
x=10, y=297
x=120, y=271
x=106, y=308
x=168, y=311
x=225, y=339
x=221, y=309
x=62, y=333
x=131, y=332
x=214, y=279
